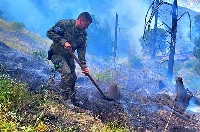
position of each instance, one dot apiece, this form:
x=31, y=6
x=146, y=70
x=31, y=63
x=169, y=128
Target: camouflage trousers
x=66, y=66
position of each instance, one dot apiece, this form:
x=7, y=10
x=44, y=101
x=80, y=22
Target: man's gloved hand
x=85, y=71
x=68, y=46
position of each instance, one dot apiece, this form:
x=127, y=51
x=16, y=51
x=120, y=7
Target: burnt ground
x=141, y=113
x=156, y=114
x=23, y=68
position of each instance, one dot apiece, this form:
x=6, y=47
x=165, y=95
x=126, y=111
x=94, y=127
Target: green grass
x=10, y=29
x=114, y=127
x=22, y=111
x=103, y=76
x=14, y=102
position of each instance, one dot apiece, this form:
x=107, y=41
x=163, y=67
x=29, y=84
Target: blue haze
x=40, y=15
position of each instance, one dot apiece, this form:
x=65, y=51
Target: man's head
x=83, y=21
x=179, y=80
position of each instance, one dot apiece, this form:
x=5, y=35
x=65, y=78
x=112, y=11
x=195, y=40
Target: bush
x=14, y=100
x=103, y=76
x=17, y=26
x=114, y=127
x=189, y=65
x=135, y=62
x=197, y=68
x=12, y=94
x=7, y=126
x=1, y=14
x=148, y=42
x=39, y=55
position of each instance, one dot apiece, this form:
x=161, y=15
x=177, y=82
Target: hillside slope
x=140, y=108
x=20, y=62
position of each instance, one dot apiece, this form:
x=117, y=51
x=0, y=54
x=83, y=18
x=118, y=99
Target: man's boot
x=66, y=100
x=77, y=102
x=68, y=104
x=66, y=97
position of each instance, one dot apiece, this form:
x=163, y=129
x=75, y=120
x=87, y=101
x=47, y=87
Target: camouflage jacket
x=65, y=31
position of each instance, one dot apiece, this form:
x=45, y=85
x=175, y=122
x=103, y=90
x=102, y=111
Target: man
x=69, y=35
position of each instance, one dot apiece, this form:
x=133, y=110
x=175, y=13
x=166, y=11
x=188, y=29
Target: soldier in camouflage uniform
x=69, y=35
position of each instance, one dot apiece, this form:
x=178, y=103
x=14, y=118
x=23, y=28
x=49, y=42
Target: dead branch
x=152, y=14
x=189, y=19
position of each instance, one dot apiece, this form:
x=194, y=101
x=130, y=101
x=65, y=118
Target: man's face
x=83, y=24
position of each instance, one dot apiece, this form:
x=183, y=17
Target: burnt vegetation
x=30, y=99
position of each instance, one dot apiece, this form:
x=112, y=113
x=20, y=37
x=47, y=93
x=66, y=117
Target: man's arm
x=56, y=33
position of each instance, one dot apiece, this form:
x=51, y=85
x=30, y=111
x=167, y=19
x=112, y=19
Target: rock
x=114, y=92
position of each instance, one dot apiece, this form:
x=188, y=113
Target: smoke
x=191, y=4
x=25, y=12
x=131, y=20
x=38, y=16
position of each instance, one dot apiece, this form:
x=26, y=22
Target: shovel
x=82, y=67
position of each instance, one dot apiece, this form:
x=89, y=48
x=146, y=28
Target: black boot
x=77, y=102
x=68, y=104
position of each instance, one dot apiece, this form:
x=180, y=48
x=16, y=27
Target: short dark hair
x=86, y=16
x=180, y=80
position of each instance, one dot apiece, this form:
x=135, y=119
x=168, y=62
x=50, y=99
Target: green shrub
x=196, y=49
x=7, y=126
x=1, y=14
x=135, y=62
x=39, y=55
x=12, y=94
x=197, y=68
x=21, y=111
x=103, y=76
x=14, y=100
x=114, y=127
x=189, y=65
x=17, y=26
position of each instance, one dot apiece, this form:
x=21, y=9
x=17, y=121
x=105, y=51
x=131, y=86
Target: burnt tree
x=115, y=43
x=173, y=39
x=155, y=5
x=155, y=30
x=172, y=31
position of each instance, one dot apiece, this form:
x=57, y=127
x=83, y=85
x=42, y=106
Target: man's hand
x=85, y=71
x=68, y=46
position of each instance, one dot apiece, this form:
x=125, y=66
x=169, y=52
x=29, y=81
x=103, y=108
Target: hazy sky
x=191, y=4
x=39, y=16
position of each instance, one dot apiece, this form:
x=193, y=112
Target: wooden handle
x=82, y=67
x=77, y=60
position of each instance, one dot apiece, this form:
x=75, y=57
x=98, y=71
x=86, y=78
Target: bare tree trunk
x=115, y=44
x=155, y=31
x=173, y=39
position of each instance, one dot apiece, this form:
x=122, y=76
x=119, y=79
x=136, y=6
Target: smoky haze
x=38, y=16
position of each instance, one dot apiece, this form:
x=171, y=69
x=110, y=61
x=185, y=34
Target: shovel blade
x=107, y=98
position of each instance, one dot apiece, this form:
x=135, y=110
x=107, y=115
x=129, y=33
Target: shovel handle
x=77, y=60
x=82, y=67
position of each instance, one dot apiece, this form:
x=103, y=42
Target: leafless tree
x=172, y=30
